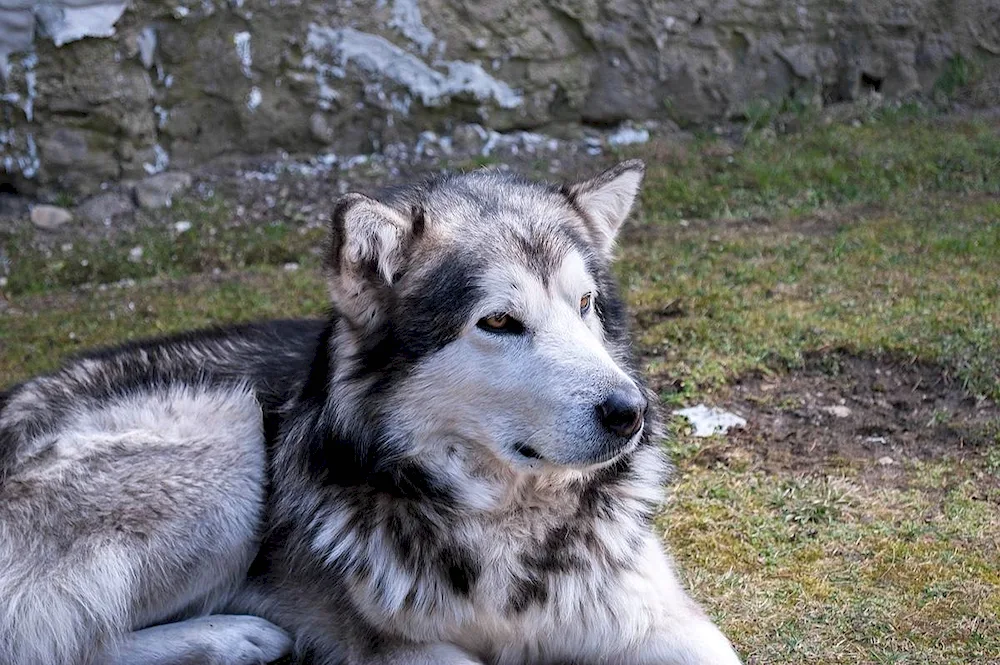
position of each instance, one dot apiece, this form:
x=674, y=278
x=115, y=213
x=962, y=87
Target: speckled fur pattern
x=397, y=484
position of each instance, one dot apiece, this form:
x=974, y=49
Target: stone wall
x=98, y=91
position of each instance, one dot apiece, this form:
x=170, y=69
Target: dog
x=457, y=466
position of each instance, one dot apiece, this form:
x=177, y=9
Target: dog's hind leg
x=136, y=513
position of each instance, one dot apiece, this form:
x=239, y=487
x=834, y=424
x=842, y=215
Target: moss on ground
x=880, y=240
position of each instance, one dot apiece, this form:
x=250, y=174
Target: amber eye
x=584, y=305
x=501, y=323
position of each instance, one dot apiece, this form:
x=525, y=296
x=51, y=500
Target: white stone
x=708, y=421
x=103, y=208
x=49, y=217
x=837, y=411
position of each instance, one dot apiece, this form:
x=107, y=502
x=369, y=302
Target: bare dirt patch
x=871, y=415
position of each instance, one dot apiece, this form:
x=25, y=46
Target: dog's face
x=486, y=317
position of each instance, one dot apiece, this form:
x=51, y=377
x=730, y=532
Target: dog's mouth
x=526, y=451
x=530, y=457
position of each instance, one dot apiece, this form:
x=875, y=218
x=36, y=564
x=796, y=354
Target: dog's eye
x=585, y=304
x=501, y=323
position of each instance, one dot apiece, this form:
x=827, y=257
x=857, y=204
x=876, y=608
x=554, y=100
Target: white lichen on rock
x=378, y=56
x=66, y=22
x=241, y=40
x=254, y=99
x=147, y=46
x=160, y=163
x=62, y=21
x=407, y=19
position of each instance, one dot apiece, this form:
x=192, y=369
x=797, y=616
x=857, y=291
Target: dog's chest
x=532, y=569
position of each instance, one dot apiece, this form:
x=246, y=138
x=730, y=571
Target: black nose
x=621, y=413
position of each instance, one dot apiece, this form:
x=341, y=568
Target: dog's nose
x=621, y=412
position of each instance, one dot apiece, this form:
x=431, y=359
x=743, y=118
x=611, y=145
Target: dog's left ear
x=368, y=244
x=607, y=199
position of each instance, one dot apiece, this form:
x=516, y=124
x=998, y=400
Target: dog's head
x=481, y=313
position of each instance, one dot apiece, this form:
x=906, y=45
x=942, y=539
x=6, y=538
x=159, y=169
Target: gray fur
x=400, y=484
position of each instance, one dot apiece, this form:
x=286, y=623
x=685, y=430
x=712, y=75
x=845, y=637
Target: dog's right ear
x=368, y=244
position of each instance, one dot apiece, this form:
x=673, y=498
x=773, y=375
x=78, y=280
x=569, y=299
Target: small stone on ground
x=50, y=218
x=708, y=421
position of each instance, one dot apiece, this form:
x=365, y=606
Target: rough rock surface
x=95, y=91
x=158, y=191
x=104, y=208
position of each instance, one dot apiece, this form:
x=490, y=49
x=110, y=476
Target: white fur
x=71, y=576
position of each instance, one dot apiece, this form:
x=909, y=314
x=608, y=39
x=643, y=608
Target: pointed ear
x=607, y=199
x=368, y=245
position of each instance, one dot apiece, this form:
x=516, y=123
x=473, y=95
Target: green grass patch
x=212, y=243
x=816, y=570
x=919, y=283
x=826, y=166
x=42, y=330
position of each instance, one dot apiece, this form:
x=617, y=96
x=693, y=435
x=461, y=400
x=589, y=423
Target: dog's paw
x=220, y=639
x=248, y=640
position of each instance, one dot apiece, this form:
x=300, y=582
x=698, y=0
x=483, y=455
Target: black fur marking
x=460, y=570
x=526, y=592
x=407, y=480
x=555, y=554
x=433, y=314
x=419, y=222
x=542, y=253
x=7, y=442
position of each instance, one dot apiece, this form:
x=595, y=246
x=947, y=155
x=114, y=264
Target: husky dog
x=458, y=466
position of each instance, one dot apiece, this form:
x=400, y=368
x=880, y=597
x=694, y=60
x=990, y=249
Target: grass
x=881, y=239
x=825, y=570
x=921, y=283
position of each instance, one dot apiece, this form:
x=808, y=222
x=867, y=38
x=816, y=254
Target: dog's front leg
x=423, y=654
x=687, y=642
x=681, y=633
x=209, y=640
